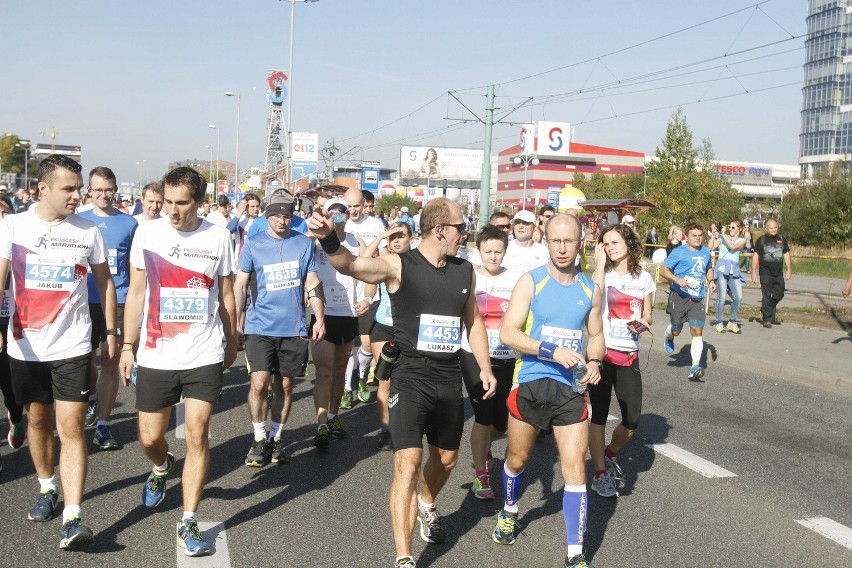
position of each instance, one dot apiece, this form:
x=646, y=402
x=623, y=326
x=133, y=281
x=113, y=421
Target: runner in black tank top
x=432, y=294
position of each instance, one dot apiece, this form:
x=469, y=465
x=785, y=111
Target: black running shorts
x=381, y=333
x=489, y=411
x=426, y=398
x=545, y=402
x=96, y=313
x=365, y=322
x=46, y=381
x=283, y=356
x=339, y=330
x=161, y=388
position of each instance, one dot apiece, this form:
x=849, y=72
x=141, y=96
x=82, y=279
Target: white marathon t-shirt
x=492, y=300
x=368, y=230
x=181, y=327
x=49, y=307
x=341, y=292
x=141, y=218
x=624, y=299
x=523, y=259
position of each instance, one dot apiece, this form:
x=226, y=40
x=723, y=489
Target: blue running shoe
x=190, y=539
x=45, y=506
x=75, y=535
x=154, y=489
x=669, y=343
x=695, y=373
x=507, y=528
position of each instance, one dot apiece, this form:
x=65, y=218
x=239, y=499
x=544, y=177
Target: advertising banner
x=552, y=139
x=440, y=163
x=304, y=148
x=370, y=178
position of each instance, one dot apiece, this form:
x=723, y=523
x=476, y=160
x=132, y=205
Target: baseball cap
x=280, y=203
x=404, y=209
x=628, y=219
x=224, y=201
x=524, y=216
x=336, y=202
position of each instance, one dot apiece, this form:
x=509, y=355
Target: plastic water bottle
x=133, y=375
x=387, y=358
x=579, y=373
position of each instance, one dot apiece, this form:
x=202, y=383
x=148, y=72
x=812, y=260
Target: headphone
x=632, y=243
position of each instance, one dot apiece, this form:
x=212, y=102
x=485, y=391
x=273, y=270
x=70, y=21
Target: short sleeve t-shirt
x=492, y=300
x=341, y=292
x=118, y=231
x=691, y=265
x=523, y=259
x=770, y=252
x=141, y=218
x=367, y=229
x=624, y=300
x=48, y=309
x=280, y=267
x=261, y=224
x=181, y=327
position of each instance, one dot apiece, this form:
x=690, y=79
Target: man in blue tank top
x=547, y=313
x=426, y=394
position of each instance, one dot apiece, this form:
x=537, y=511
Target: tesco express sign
x=731, y=170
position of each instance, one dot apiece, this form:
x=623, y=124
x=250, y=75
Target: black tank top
x=428, y=308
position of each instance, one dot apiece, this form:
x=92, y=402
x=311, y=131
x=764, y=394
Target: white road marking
x=214, y=534
x=833, y=530
x=610, y=418
x=690, y=460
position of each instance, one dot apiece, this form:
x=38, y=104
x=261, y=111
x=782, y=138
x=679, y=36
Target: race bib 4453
x=439, y=334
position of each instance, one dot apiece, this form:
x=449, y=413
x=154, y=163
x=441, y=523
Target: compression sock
x=574, y=507
x=512, y=485
x=364, y=360
x=696, y=349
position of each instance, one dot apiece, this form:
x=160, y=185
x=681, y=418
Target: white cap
x=336, y=202
x=628, y=219
x=404, y=209
x=525, y=216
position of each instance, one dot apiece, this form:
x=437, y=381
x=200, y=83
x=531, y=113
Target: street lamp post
x=210, y=175
x=526, y=160
x=237, y=158
x=216, y=187
x=25, y=145
x=290, y=95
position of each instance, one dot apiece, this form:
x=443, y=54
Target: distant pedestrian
x=729, y=244
x=675, y=238
x=771, y=252
x=847, y=289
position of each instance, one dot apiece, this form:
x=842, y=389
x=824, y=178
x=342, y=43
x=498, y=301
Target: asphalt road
x=789, y=447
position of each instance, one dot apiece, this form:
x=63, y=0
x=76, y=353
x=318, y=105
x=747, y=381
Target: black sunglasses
x=460, y=227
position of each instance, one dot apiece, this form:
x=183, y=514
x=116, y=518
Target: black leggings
x=628, y=390
x=492, y=411
x=16, y=412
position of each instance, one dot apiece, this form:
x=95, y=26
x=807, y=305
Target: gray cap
x=280, y=202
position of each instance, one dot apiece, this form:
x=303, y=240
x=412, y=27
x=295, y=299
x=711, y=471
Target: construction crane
x=53, y=132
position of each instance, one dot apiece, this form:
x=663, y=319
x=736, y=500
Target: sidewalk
x=815, y=357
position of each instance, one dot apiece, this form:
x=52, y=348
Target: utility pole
x=485, y=185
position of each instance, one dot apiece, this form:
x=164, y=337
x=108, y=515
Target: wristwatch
x=598, y=361
x=114, y=331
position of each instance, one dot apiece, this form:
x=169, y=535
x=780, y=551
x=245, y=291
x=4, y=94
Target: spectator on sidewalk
x=847, y=289
x=771, y=253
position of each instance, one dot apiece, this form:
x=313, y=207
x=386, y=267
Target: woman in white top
x=729, y=243
x=627, y=301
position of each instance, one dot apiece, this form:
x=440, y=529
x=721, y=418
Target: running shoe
x=45, y=506
x=405, y=562
x=371, y=378
x=385, y=443
x=277, y=454
x=734, y=327
x=75, y=535
x=776, y=321
x=154, y=489
x=578, y=561
x=91, y=413
x=189, y=538
x=430, y=528
x=256, y=456
x=363, y=392
x=335, y=427
x=322, y=439
x=604, y=485
x=612, y=468
x=507, y=528
x=481, y=488
x=767, y=324
x=720, y=327
x=17, y=432
x=104, y=440
x=695, y=373
x=669, y=343
x=346, y=400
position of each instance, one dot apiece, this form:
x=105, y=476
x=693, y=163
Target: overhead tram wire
x=392, y=122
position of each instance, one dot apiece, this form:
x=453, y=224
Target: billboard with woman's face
x=433, y=163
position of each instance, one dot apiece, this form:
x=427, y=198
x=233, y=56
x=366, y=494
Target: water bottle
x=579, y=373
x=387, y=358
x=133, y=375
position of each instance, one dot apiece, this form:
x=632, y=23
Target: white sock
x=259, y=430
x=188, y=515
x=48, y=484
x=275, y=430
x=351, y=364
x=364, y=360
x=69, y=512
x=696, y=349
x=163, y=466
x=669, y=332
x=93, y=397
x=423, y=506
x=103, y=422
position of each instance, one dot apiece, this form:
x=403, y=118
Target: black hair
x=55, y=162
x=492, y=233
x=188, y=178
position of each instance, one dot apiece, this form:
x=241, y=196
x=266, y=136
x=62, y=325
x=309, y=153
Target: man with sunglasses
x=426, y=393
x=118, y=230
x=544, y=215
x=523, y=253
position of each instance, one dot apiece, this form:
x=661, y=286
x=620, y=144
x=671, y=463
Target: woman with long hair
x=628, y=293
x=728, y=243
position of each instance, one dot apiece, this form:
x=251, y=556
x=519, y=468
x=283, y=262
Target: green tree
x=12, y=156
x=818, y=211
x=682, y=185
x=387, y=202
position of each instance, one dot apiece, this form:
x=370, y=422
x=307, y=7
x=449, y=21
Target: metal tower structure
x=276, y=136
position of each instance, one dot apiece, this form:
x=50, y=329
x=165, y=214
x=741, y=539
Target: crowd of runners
x=168, y=298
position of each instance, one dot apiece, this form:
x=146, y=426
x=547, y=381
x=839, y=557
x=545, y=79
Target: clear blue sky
x=142, y=80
